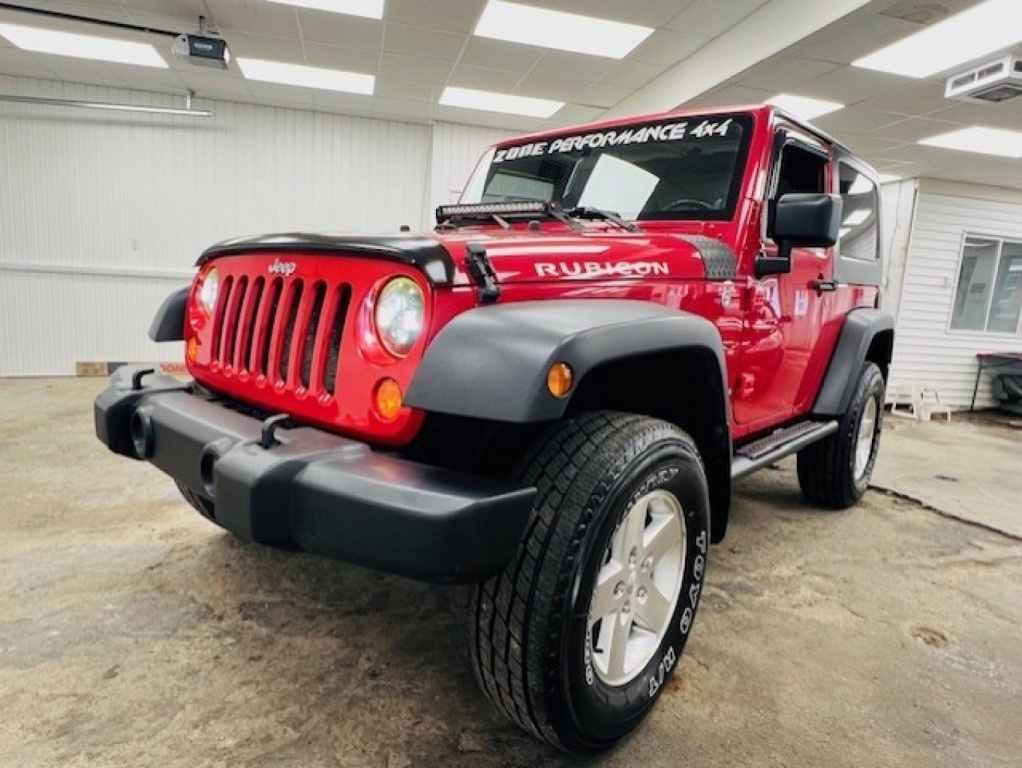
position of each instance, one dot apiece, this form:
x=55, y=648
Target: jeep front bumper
x=315, y=490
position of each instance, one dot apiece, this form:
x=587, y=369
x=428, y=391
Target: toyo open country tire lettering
x=575, y=640
x=835, y=471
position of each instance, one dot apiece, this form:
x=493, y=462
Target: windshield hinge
x=481, y=271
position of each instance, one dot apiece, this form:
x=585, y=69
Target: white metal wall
x=101, y=216
x=456, y=150
x=926, y=352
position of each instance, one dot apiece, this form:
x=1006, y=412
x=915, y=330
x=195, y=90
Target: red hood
x=523, y=256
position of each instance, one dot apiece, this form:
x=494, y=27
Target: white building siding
x=456, y=150
x=926, y=351
x=102, y=215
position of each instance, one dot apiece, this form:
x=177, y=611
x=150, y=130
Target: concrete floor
x=132, y=632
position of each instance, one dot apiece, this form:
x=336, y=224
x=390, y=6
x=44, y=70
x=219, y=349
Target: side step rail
x=775, y=446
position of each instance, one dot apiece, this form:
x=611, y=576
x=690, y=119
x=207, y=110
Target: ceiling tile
x=785, y=75
x=497, y=54
x=412, y=68
x=846, y=85
x=282, y=94
x=16, y=62
x=845, y=42
x=402, y=109
x=575, y=114
x=558, y=88
x=649, y=13
x=666, y=47
x=428, y=43
x=603, y=95
x=346, y=59
x=708, y=18
x=340, y=29
x=631, y=74
x=257, y=17
x=857, y=119
x=407, y=90
x=481, y=79
x=449, y=15
x=265, y=47
x=573, y=65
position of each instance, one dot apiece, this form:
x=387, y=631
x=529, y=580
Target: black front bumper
x=315, y=490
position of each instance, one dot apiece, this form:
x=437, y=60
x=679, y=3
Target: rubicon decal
x=285, y=268
x=601, y=268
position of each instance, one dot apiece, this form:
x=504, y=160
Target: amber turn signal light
x=193, y=349
x=388, y=399
x=559, y=379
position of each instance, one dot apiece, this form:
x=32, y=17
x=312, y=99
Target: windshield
x=671, y=169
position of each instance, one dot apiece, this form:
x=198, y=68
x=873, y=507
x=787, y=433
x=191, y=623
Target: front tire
x=575, y=640
x=835, y=471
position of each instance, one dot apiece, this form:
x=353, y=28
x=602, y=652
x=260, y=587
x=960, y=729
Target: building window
x=859, y=235
x=989, y=292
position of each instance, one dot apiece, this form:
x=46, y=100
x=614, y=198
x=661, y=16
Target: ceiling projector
x=206, y=49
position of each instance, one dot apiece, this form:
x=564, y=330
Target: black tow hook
x=268, y=438
x=137, y=376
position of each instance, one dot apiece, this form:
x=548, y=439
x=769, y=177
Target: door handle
x=820, y=285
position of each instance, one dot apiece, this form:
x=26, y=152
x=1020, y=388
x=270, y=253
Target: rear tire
x=835, y=471
x=575, y=640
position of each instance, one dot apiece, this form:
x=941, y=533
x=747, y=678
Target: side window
x=859, y=233
x=801, y=170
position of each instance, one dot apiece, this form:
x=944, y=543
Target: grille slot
x=249, y=311
x=312, y=331
x=233, y=319
x=293, y=306
x=267, y=322
x=218, y=319
x=336, y=325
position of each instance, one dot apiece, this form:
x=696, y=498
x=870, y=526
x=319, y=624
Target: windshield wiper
x=588, y=212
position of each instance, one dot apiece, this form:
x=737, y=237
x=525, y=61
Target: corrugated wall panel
x=926, y=352
x=84, y=194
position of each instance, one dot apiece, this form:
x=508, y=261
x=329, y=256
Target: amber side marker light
x=193, y=349
x=388, y=399
x=559, y=379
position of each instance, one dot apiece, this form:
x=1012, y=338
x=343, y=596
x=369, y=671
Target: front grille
x=288, y=332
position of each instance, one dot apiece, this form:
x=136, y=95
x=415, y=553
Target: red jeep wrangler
x=549, y=396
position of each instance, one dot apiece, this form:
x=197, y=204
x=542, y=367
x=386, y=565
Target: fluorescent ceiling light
x=499, y=102
x=804, y=107
x=987, y=141
x=82, y=46
x=982, y=30
x=370, y=9
x=561, y=31
x=306, y=77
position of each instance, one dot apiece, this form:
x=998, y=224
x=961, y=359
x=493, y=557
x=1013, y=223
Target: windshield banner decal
x=639, y=135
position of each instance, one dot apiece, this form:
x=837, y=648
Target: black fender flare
x=492, y=362
x=169, y=322
x=861, y=327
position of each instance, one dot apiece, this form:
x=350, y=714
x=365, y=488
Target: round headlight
x=400, y=315
x=209, y=290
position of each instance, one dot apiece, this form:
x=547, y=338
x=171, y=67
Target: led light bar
x=523, y=207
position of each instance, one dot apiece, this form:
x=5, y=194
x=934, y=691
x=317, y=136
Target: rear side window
x=859, y=235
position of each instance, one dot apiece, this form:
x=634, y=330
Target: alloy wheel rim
x=637, y=587
x=864, y=438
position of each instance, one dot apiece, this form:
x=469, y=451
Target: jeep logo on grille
x=285, y=268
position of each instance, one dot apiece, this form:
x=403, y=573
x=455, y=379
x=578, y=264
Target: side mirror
x=805, y=220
